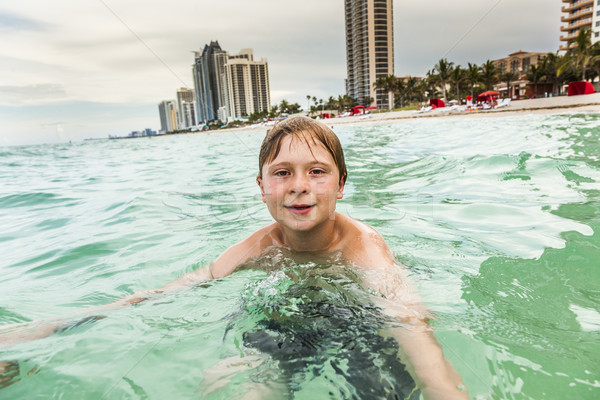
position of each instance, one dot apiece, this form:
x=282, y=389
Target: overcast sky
x=72, y=69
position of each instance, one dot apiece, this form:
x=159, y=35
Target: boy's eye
x=281, y=173
x=317, y=172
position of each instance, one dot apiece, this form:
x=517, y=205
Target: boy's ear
x=340, y=193
x=262, y=190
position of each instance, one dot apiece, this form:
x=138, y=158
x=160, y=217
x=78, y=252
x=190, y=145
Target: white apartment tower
x=247, y=84
x=186, y=104
x=579, y=14
x=369, y=48
x=168, y=116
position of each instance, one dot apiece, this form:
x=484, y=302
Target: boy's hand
x=9, y=373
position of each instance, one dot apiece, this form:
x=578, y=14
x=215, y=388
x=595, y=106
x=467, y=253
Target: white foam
x=588, y=318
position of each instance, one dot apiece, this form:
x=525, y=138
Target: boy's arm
x=437, y=377
x=221, y=267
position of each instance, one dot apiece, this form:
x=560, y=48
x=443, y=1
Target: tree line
x=450, y=82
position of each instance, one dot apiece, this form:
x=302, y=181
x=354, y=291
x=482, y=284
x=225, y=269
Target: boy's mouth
x=300, y=208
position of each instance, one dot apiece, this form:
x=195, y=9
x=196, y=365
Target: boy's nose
x=300, y=184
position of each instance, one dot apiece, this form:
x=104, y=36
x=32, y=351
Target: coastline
x=548, y=105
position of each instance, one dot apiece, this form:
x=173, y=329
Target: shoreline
x=547, y=105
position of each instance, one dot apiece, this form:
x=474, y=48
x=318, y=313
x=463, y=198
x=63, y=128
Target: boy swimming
x=301, y=176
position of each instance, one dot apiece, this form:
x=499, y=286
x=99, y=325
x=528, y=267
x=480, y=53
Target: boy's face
x=301, y=186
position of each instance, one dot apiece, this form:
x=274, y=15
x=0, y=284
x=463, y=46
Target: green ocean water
x=497, y=219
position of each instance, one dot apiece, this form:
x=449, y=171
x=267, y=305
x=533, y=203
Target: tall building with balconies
x=186, y=103
x=369, y=48
x=579, y=14
x=168, y=116
x=247, y=83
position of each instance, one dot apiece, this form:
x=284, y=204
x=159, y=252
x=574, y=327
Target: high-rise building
x=247, y=84
x=207, y=70
x=229, y=86
x=580, y=14
x=185, y=103
x=167, y=110
x=369, y=48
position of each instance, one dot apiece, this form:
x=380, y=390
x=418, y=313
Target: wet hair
x=302, y=128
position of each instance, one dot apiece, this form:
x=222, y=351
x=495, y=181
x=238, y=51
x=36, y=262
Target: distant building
x=229, y=86
x=207, y=70
x=167, y=110
x=247, y=84
x=369, y=48
x=579, y=14
x=185, y=103
x=519, y=64
x=188, y=114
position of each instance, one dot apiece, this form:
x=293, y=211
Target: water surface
x=497, y=219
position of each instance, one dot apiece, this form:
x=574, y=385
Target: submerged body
x=318, y=325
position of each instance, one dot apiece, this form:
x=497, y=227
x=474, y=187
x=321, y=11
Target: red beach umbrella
x=485, y=96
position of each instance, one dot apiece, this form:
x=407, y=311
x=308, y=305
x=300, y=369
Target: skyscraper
x=580, y=14
x=185, y=105
x=369, y=48
x=207, y=69
x=229, y=86
x=168, y=116
x=247, y=84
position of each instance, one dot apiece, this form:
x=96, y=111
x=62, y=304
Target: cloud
x=114, y=53
x=31, y=94
x=14, y=22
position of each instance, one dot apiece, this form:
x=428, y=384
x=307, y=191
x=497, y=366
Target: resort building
x=519, y=64
x=168, y=116
x=185, y=106
x=247, y=82
x=369, y=48
x=579, y=14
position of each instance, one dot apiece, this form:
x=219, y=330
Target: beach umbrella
x=489, y=93
x=485, y=96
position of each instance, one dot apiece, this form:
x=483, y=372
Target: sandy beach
x=549, y=105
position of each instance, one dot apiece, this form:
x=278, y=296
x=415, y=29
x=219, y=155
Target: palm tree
x=412, y=89
x=508, y=77
x=345, y=102
x=489, y=75
x=430, y=84
x=555, y=71
x=594, y=70
x=535, y=75
x=443, y=71
x=401, y=90
x=307, y=102
x=331, y=103
x=580, y=53
x=458, y=77
x=388, y=83
x=473, y=76
x=284, y=106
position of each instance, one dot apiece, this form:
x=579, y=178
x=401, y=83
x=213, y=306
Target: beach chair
x=505, y=102
x=423, y=109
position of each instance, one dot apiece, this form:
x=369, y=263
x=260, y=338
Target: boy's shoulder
x=242, y=251
x=363, y=245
